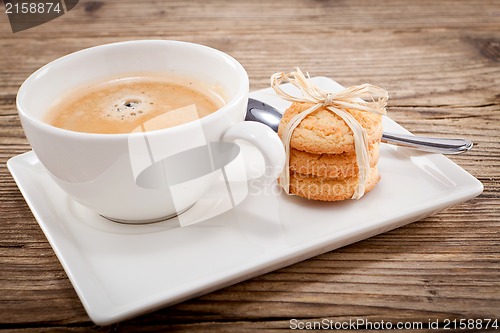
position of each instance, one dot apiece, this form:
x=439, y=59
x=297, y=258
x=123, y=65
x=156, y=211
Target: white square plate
x=120, y=271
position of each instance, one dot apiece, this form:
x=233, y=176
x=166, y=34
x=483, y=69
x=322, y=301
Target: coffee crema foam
x=133, y=103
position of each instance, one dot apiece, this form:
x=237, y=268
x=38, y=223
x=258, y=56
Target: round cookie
x=329, y=165
x=327, y=189
x=325, y=132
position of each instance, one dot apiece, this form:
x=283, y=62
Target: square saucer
x=120, y=271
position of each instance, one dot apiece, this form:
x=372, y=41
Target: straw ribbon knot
x=352, y=98
x=328, y=99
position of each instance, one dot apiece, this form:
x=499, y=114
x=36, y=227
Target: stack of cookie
x=322, y=157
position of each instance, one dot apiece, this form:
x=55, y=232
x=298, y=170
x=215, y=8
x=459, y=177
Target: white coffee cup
x=100, y=170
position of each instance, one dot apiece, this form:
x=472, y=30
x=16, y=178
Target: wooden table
x=440, y=61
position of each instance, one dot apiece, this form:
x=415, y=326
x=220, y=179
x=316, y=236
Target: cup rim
x=242, y=92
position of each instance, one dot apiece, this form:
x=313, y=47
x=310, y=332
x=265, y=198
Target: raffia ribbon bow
x=365, y=97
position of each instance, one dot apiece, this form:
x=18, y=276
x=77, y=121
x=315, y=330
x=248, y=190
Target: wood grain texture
x=440, y=61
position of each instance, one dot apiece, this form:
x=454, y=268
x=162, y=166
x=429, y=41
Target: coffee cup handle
x=264, y=139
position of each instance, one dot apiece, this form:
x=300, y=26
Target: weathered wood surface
x=440, y=61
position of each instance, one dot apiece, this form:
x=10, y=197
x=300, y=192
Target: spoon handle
x=433, y=145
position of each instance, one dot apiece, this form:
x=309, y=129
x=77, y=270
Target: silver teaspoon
x=268, y=115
